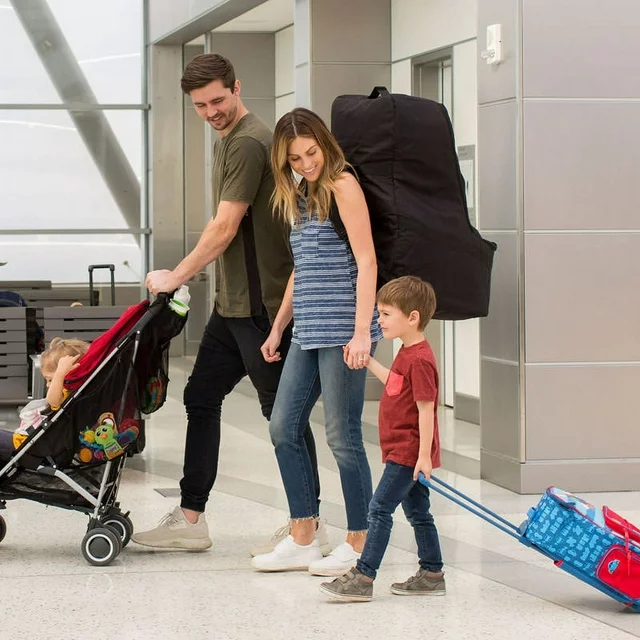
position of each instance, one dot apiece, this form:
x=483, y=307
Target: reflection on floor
x=497, y=588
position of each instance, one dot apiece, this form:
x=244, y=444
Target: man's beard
x=226, y=120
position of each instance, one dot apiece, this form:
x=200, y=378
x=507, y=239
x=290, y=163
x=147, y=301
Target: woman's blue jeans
x=397, y=486
x=305, y=376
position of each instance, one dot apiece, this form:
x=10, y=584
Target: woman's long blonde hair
x=305, y=124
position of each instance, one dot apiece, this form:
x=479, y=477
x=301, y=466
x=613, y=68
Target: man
x=253, y=265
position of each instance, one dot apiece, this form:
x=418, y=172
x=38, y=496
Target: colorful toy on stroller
x=75, y=457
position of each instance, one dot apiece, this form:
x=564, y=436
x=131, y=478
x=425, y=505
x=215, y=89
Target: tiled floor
x=497, y=588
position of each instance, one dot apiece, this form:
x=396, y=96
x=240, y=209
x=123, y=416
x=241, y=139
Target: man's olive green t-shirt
x=242, y=173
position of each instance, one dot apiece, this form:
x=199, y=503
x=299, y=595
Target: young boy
x=410, y=444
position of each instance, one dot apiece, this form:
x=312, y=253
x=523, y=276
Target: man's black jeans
x=229, y=350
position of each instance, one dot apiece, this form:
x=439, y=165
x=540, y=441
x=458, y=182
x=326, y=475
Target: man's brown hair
x=206, y=68
x=408, y=294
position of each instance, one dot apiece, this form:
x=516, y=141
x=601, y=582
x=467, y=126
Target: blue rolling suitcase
x=593, y=544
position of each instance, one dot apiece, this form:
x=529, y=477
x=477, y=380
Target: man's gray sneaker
x=353, y=586
x=269, y=545
x=174, y=531
x=423, y=583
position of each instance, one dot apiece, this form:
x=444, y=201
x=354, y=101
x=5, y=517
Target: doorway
x=433, y=79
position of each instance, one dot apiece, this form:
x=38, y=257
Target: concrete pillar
x=166, y=157
x=340, y=47
x=254, y=59
x=558, y=173
x=166, y=175
x=196, y=215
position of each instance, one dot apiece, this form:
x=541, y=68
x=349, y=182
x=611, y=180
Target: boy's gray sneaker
x=280, y=534
x=174, y=531
x=423, y=583
x=353, y=586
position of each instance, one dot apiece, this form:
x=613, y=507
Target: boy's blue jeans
x=305, y=375
x=397, y=486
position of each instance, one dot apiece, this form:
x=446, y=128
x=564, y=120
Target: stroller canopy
x=101, y=347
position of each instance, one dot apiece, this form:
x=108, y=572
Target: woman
x=331, y=297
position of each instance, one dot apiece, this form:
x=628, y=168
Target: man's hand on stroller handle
x=162, y=281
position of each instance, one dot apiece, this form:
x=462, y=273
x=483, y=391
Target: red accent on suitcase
x=620, y=569
x=622, y=527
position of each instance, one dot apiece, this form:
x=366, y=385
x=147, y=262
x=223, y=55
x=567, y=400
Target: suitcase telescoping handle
x=471, y=505
x=112, y=269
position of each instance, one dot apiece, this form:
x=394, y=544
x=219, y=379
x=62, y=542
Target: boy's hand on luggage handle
x=424, y=465
x=161, y=281
x=270, y=347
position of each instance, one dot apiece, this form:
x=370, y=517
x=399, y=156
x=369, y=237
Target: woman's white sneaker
x=337, y=563
x=288, y=556
x=269, y=545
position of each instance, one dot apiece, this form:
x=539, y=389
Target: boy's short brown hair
x=410, y=293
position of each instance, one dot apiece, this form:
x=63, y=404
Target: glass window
x=104, y=37
x=70, y=175
x=23, y=78
x=51, y=180
x=66, y=258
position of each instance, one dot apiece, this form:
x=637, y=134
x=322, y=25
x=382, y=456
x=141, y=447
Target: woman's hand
x=358, y=350
x=270, y=347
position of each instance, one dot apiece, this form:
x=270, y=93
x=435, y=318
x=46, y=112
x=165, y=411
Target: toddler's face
x=47, y=374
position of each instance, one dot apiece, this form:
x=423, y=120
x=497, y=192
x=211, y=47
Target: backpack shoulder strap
x=336, y=220
x=334, y=213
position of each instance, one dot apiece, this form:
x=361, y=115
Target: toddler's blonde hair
x=62, y=347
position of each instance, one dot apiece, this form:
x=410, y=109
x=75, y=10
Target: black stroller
x=75, y=458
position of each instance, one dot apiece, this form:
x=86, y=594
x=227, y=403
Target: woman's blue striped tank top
x=324, y=291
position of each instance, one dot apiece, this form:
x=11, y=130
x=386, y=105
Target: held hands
x=424, y=465
x=161, y=281
x=357, y=351
x=270, y=348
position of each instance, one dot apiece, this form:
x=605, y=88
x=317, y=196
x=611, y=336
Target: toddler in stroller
x=57, y=361
x=74, y=458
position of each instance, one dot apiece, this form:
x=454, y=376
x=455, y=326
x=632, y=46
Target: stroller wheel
x=3, y=528
x=122, y=525
x=100, y=546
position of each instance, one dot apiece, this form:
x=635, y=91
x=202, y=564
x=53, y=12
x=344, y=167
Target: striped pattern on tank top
x=324, y=292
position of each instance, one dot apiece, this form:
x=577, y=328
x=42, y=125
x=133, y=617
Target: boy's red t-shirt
x=413, y=377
